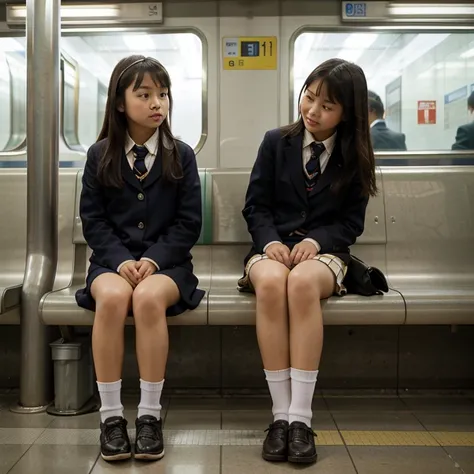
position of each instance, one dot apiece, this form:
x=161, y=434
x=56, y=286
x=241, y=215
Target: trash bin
x=73, y=378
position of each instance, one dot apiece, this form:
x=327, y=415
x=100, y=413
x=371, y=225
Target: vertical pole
x=42, y=34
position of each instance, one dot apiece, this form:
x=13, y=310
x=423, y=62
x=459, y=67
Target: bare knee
x=112, y=304
x=149, y=306
x=270, y=286
x=271, y=296
x=304, y=287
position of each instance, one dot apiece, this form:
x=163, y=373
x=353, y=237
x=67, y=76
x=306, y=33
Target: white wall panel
x=249, y=100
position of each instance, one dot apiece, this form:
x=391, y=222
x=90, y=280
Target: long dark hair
x=132, y=70
x=346, y=84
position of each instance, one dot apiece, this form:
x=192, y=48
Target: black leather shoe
x=275, y=446
x=149, y=439
x=114, y=441
x=301, y=448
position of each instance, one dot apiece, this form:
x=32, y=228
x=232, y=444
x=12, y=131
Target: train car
x=395, y=392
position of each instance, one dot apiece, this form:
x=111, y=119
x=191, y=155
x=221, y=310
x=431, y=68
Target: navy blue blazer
x=464, y=137
x=385, y=139
x=159, y=219
x=277, y=203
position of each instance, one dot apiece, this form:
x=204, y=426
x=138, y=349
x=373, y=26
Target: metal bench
x=419, y=231
x=430, y=238
x=13, y=237
x=12, y=243
x=231, y=241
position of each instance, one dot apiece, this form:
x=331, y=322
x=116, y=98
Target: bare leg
x=112, y=295
x=151, y=298
x=308, y=283
x=269, y=279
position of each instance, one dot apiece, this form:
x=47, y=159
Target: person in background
x=465, y=133
x=383, y=139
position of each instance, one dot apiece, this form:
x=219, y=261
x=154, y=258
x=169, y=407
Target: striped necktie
x=313, y=167
x=139, y=167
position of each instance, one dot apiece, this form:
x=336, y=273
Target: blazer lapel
x=128, y=174
x=294, y=164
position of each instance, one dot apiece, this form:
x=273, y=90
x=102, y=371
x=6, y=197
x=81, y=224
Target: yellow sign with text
x=245, y=53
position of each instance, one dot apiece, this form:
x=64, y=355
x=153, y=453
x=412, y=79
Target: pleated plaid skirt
x=334, y=263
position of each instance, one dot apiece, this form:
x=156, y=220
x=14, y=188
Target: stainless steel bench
x=231, y=241
x=12, y=242
x=430, y=241
x=419, y=231
x=219, y=265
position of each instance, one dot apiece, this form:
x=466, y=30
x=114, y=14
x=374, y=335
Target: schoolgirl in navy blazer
x=305, y=206
x=141, y=214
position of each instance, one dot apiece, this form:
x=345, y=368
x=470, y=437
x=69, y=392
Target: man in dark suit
x=465, y=133
x=382, y=137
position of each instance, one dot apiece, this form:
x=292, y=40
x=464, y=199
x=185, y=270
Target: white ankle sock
x=279, y=385
x=150, y=398
x=110, y=399
x=302, y=390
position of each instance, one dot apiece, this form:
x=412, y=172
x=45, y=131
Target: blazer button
x=303, y=214
x=141, y=225
x=141, y=196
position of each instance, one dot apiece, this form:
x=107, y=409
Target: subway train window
x=12, y=94
x=420, y=83
x=96, y=55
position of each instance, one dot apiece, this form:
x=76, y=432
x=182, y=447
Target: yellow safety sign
x=255, y=52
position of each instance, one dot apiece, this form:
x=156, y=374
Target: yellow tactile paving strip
x=446, y=438
x=388, y=438
x=329, y=438
x=395, y=438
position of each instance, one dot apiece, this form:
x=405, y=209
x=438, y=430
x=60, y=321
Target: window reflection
x=12, y=94
x=96, y=56
x=423, y=80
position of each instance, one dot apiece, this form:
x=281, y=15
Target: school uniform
x=153, y=219
x=279, y=206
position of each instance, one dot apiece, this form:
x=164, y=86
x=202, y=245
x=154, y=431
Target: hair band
x=137, y=62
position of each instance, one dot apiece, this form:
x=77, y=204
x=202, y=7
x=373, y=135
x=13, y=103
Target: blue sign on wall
x=357, y=10
x=458, y=94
